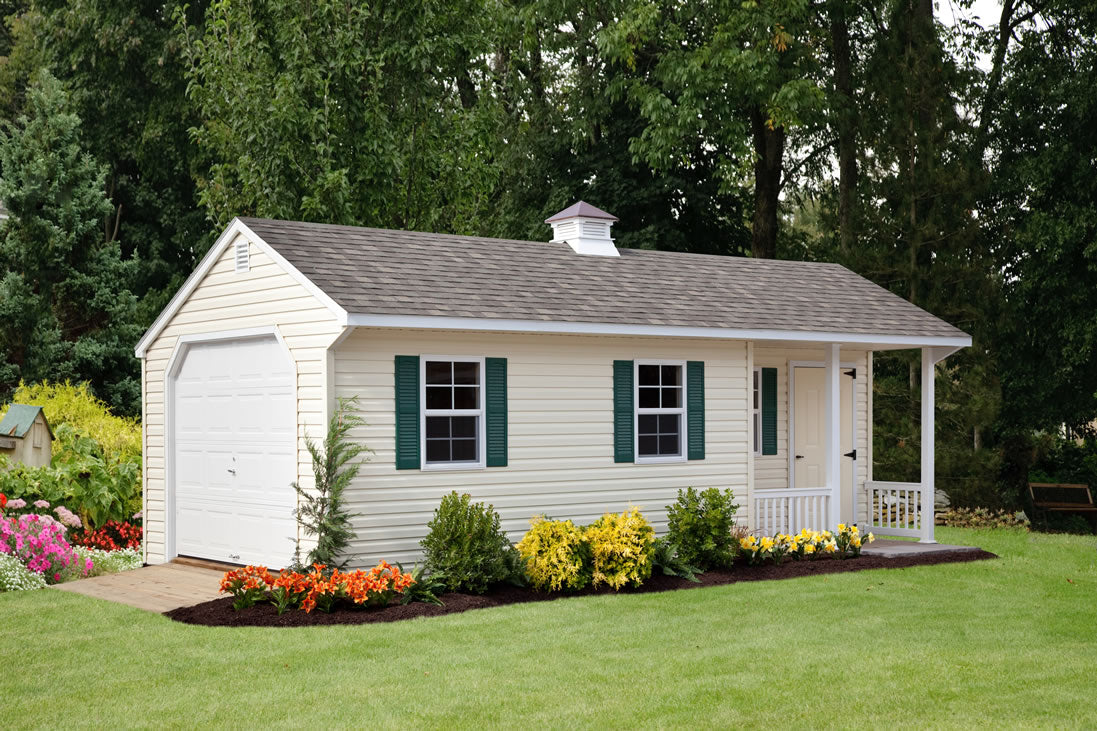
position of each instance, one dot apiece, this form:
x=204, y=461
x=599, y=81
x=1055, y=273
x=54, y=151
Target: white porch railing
x=894, y=508
x=790, y=511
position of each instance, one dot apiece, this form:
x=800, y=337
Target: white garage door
x=235, y=452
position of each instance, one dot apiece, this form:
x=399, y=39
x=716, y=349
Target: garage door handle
x=232, y=471
x=799, y=456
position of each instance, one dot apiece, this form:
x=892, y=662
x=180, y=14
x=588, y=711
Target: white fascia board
x=434, y=322
x=235, y=228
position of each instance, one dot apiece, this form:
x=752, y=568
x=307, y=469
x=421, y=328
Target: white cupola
x=585, y=229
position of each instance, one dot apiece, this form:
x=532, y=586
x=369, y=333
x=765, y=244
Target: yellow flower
x=856, y=542
x=809, y=548
x=871, y=538
x=853, y=529
x=747, y=543
x=830, y=547
x=841, y=527
x=767, y=543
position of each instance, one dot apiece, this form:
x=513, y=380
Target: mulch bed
x=219, y=612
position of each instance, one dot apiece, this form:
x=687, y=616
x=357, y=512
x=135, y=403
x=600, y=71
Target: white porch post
x=832, y=464
x=927, y=446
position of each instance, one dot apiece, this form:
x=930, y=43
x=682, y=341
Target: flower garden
x=79, y=516
x=470, y=563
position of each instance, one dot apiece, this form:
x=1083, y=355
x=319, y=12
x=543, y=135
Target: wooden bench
x=1055, y=497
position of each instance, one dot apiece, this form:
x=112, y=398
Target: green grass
x=1008, y=642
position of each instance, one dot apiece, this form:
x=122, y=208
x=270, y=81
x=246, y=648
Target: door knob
x=799, y=456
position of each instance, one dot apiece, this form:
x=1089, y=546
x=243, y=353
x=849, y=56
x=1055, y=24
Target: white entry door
x=810, y=430
x=235, y=453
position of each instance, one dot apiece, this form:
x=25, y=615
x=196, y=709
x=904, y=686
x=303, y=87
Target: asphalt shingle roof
x=382, y=272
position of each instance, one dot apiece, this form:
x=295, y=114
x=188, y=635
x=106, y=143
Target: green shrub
x=75, y=405
x=556, y=555
x=621, y=546
x=700, y=524
x=465, y=548
x=666, y=560
x=96, y=486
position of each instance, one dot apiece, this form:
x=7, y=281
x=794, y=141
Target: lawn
x=1008, y=642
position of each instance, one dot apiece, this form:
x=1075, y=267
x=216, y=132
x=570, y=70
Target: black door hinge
x=851, y=454
x=852, y=373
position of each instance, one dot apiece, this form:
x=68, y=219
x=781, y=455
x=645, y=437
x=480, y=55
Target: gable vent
x=243, y=255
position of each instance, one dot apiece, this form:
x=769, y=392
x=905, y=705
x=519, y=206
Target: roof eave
x=881, y=341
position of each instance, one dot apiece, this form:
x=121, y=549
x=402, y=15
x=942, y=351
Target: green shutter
x=769, y=411
x=495, y=418
x=623, y=436
x=695, y=408
x=407, y=412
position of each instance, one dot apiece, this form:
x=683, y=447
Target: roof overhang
x=236, y=228
x=942, y=345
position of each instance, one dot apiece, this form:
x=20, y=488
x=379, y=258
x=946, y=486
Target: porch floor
x=892, y=548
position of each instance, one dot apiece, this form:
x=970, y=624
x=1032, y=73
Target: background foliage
x=950, y=162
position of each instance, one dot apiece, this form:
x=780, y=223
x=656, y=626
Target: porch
x=812, y=467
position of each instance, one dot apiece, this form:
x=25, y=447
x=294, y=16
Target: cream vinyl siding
x=263, y=296
x=771, y=471
x=560, y=412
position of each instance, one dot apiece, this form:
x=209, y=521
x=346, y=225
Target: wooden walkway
x=157, y=588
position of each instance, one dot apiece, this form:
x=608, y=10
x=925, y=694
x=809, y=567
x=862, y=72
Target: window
x=453, y=412
x=757, y=412
x=660, y=411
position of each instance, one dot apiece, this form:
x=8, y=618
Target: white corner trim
x=237, y=227
x=438, y=322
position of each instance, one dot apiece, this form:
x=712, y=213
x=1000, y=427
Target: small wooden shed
x=25, y=436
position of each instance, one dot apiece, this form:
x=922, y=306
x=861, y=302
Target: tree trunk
x=847, y=126
x=769, y=150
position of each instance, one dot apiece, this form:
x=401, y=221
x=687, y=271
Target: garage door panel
x=236, y=452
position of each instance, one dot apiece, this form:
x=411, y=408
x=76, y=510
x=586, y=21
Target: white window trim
x=756, y=413
x=683, y=446
x=424, y=412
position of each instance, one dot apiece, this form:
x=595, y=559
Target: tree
x=729, y=77
x=122, y=62
x=1042, y=220
x=567, y=134
x=354, y=114
x=64, y=289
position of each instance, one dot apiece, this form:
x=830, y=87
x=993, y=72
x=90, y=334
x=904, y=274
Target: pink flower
x=41, y=504
x=17, y=504
x=57, y=577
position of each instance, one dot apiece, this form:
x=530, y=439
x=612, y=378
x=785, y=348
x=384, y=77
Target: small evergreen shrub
x=465, y=548
x=320, y=512
x=700, y=524
x=556, y=555
x=622, y=546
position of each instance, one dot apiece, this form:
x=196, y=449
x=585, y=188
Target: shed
x=25, y=435
x=567, y=377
